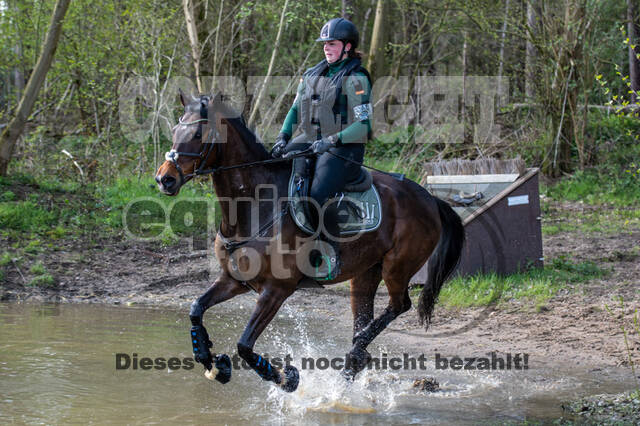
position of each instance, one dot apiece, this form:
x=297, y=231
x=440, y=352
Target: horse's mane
x=240, y=125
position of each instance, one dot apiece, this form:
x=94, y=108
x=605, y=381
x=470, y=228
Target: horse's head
x=193, y=144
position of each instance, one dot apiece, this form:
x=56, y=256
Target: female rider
x=332, y=109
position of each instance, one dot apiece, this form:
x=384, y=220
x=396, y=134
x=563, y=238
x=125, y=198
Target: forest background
x=94, y=123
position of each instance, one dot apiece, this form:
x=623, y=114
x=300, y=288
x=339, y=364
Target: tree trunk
x=530, y=59
x=17, y=77
x=376, y=51
x=192, y=31
x=216, y=66
x=274, y=54
x=16, y=126
x=634, y=49
x=365, y=21
x=467, y=138
x=347, y=9
x=569, y=82
x=502, y=37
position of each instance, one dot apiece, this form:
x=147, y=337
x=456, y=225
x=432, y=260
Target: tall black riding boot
x=330, y=235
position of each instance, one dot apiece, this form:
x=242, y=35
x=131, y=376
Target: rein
x=203, y=157
x=173, y=155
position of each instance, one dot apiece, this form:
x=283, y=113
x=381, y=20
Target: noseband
x=208, y=147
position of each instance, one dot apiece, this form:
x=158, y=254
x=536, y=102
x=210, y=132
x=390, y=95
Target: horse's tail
x=443, y=261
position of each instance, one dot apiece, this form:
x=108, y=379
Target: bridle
x=208, y=147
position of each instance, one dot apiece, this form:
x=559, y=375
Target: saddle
x=359, y=205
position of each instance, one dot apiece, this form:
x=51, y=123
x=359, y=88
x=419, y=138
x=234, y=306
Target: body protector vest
x=322, y=105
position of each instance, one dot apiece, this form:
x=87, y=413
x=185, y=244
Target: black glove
x=280, y=145
x=323, y=145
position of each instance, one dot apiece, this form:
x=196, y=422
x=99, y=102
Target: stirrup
x=331, y=268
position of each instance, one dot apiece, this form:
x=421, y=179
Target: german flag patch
x=358, y=86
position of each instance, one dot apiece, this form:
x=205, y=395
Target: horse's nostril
x=168, y=181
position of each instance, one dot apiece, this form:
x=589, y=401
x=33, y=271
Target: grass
x=42, y=278
x=604, y=220
x=537, y=285
x=25, y=216
x=38, y=269
x=138, y=207
x=5, y=259
x=599, y=186
x=36, y=210
x=45, y=280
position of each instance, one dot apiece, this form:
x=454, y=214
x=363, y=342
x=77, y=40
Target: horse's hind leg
x=363, y=291
x=268, y=304
x=399, y=302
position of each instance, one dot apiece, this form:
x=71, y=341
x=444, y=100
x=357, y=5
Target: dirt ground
x=574, y=327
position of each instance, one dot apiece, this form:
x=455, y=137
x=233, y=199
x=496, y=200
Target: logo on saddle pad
x=358, y=211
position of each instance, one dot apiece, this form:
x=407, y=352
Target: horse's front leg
x=224, y=288
x=268, y=304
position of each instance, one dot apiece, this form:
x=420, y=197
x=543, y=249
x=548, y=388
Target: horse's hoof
x=348, y=374
x=290, y=378
x=221, y=370
x=357, y=360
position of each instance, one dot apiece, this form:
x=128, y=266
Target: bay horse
x=211, y=138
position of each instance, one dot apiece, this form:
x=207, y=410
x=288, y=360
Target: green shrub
x=45, y=280
x=7, y=196
x=25, y=216
x=38, y=269
x=600, y=186
x=33, y=247
x=5, y=259
x=56, y=233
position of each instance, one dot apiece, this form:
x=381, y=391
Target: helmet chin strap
x=343, y=51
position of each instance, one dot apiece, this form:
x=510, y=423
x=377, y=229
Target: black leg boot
x=330, y=235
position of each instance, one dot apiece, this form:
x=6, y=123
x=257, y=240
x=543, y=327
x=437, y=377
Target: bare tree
x=376, y=51
x=192, y=31
x=347, y=9
x=274, y=54
x=634, y=49
x=532, y=25
x=502, y=37
x=16, y=126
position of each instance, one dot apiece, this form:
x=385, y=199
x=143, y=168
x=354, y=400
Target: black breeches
x=330, y=176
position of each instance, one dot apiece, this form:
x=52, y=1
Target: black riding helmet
x=340, y=29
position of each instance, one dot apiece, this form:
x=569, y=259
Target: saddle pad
x=367, y=217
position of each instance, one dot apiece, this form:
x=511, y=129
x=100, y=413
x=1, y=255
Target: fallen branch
x=68, y=154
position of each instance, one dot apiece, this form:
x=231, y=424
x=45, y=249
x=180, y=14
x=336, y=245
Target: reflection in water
x=58, y=365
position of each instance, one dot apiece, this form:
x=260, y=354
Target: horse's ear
x=184, y=99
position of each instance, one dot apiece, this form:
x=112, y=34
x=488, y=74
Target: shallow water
x=58, y=365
